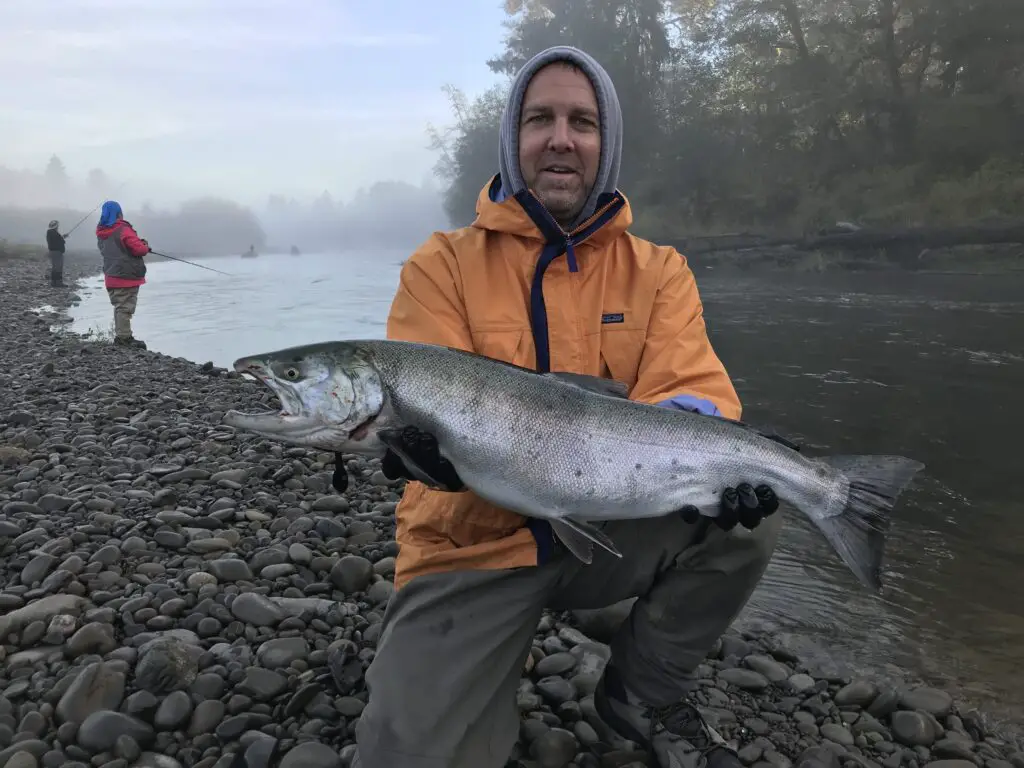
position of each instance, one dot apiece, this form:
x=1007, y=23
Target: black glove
x=743, y=504
x=420, y=448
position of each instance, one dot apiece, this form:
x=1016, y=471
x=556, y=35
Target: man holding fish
x=550, y=251
x=514, y=468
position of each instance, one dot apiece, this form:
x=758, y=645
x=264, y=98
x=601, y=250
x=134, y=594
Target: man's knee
x=768, y=538
x=745, y=552
x=397, y=719
x=738, y=554
x=407, y=731
x=442, y=684
x=760, y=542
x=388, y=737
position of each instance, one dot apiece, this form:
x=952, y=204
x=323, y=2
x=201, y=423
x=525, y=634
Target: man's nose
x=561, y=137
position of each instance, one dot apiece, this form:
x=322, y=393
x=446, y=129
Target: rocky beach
x=176, y=594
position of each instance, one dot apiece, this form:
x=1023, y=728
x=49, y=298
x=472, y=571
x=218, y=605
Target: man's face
x=560, y=139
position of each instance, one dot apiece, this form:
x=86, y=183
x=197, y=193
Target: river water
x=927, y=366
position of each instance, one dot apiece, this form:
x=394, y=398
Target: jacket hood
x=108, y=215
x=607, y=179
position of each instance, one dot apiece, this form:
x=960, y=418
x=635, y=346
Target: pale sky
x=237, y=97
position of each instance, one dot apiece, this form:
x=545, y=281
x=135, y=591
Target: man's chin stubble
x=562, y=211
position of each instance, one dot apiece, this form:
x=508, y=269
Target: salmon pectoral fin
x=579, y=538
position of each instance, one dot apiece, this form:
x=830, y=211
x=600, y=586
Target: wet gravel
x=175, y=594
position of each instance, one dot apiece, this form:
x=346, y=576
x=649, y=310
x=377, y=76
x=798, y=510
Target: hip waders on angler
x=56, y=268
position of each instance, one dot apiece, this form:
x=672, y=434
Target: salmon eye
x=291, y=373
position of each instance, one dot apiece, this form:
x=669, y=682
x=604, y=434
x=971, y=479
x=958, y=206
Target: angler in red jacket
x=124, y=269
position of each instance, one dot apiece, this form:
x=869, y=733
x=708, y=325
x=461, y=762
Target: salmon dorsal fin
x=771, y=434
x=595, y=384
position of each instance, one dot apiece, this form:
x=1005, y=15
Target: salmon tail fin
x=858, y=532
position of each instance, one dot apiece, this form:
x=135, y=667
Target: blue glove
x=691, y=403
x=743, y=504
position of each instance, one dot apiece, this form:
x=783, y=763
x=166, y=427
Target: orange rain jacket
x=616, y=306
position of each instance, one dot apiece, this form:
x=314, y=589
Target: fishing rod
x=90, y=213
x=186, y=261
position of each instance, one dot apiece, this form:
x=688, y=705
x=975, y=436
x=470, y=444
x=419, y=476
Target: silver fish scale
x=547, y=449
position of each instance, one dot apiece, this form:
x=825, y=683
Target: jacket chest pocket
x=620, y=354
x=510, y=345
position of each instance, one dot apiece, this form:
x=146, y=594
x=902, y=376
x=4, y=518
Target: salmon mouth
x=270, y=423
x=291, y=420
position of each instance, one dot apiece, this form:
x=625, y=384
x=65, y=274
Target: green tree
x=468, y=150
x=56, y=176
x=98, y=182
x=783, y=115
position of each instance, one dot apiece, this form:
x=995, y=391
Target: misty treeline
x=29, y=200
x=388, y=214
x=782, y=115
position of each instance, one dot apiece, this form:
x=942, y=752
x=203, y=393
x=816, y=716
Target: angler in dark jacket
x=55, y=246
x=124, y=269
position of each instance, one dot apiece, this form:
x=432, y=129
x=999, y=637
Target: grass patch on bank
x=96, y=332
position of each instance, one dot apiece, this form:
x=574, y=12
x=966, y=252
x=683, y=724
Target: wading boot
x=129, y=341
x=676, y=735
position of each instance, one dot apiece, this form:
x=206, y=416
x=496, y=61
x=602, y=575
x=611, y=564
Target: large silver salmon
x=568, y=448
